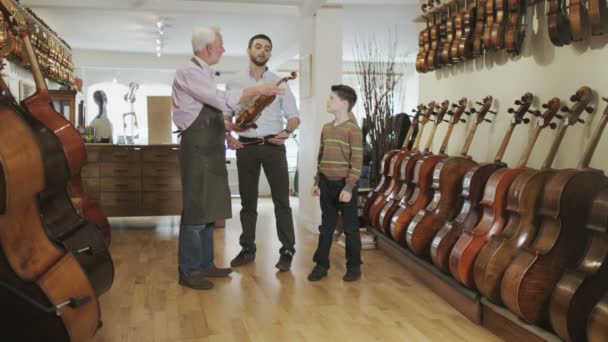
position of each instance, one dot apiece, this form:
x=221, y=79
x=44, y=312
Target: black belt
x=256, y=141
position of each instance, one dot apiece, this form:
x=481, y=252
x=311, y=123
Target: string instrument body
x=580, y=289
x=558, y=23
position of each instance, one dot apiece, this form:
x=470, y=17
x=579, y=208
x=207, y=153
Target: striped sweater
x=341, y=153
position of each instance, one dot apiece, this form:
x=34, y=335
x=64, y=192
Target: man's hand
x=345, y=196
x=233, y=143
x=269, y=89
x=280, y=138
x=315, y=190
x=231, y=126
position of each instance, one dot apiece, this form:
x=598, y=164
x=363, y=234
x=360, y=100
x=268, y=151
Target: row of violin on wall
x=535, y=241
x=454, y=34
x=54, y=260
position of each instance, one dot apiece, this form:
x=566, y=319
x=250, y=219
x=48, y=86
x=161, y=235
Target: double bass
x=520, y=229
x=580, y=289
x=493, y=217
x=73, y=146
x=560, y=243
x=62, y=222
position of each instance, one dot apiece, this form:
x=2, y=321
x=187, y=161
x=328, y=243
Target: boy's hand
x=315, y=190
x=345, y=196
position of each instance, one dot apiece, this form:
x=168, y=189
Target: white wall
x=542, y=69
x=320, y=36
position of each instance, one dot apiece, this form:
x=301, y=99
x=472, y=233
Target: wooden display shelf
x=461, y=298
x=506, y=325
x=498, y=320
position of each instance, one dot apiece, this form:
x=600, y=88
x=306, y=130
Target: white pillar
x=320, y=37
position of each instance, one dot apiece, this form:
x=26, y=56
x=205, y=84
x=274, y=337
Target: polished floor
x=257, y=303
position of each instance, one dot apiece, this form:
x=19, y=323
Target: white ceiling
x=130, y=25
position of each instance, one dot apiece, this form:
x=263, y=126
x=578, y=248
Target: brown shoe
x=197, y=282
x=216, y=272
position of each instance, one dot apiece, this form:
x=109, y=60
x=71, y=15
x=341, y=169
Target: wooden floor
x=260, y=304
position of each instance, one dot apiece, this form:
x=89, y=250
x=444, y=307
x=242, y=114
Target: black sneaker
x=284, y=262
x=244, y=257
x=197, y=282
x=318, y=273
x=352, y=275
x=216, y=272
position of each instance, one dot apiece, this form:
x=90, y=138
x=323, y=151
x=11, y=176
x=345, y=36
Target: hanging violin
x=247, y=118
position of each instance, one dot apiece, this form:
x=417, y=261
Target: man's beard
x=260, y=64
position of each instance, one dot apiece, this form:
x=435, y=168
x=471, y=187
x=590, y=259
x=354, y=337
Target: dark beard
x=260, y=64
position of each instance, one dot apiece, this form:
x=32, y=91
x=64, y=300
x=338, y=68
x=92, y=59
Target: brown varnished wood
x=597, y=326
x=580, y=289
x=558, y=23
x=397, y=223
x=403, y=176
x=479, y=28
x=561, y=240
x=473, y=183
x=579, y=20
x=598, y=17
x=447, y=187
x=515, y=33
x=387, y=160
x=40, y=106
x=487, y=29
x=499, y=25
x=520, y=228
x=493, y=217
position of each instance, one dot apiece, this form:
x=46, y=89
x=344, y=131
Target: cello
x=422, y=192
x=447, y=185
x=387, y=160
x=466, y=249
x=396, y=184
x=580, y=289
x=560, y=243
x=520, y=228
x=405, y=171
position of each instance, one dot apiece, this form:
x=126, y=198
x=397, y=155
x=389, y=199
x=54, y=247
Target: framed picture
x=306, y=76
x=26, y=89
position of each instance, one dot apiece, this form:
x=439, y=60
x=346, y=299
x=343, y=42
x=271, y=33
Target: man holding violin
x=197, y=106
x=263, y=146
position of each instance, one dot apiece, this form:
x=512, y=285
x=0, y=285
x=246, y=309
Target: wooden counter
x=134, y=180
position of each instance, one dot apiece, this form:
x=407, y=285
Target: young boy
x=339, y=169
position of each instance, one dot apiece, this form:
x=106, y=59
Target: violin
x=247, y=118
x=465, y=46
x=458, y=34
x=579, y=20
x=487, y=29
x=561, y=240
x=497, y=35
x=479, y=28
x=597, y=326
x=515, y=34
x=559, y=23
x=598, y=16
x=445, y=57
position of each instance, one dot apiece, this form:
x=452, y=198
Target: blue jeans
x=195, y=248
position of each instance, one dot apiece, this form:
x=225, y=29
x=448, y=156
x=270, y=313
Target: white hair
x=203, y=36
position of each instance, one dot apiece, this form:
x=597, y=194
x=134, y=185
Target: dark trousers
x=272, y=158
x=330, y=206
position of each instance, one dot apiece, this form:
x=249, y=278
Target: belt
x=255, y=141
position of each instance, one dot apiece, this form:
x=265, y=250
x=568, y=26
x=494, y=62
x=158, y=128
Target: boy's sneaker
x=352, y=275
x=318, y=273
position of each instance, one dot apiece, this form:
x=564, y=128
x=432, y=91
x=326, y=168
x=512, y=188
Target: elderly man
x=197, y=112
